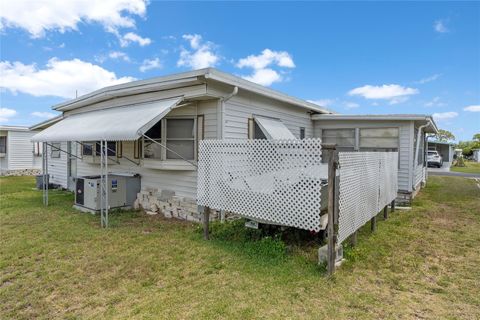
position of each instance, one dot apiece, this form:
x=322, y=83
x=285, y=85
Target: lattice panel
x=368, y=182
x=276, y=181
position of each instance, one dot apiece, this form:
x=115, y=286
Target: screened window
x=87, y=149
x=3, y=144
x=379, y=138
x=111, y=148
x=152, y=150
x=257, y=132
x=55, y=150
x=343, y=138
x=180, y=138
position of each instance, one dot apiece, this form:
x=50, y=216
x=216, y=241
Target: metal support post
x=385, y=213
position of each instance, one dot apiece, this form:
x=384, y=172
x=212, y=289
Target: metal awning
x=112, y=124
x=274, y=129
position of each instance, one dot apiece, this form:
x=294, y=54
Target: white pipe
x=223, y=100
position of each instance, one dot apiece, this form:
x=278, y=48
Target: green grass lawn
x=58, y=263
x=470, y=167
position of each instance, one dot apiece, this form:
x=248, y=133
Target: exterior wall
x=183, y=182
x=419, y=170
x=20, y=152
x=57, y=167
x=244, y=106
x=405, y=153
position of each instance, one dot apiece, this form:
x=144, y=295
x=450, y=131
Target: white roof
x=182, y=79
x=113, y=124
x=274, y=129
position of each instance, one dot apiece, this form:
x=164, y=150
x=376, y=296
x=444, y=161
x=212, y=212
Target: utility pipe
x=222, y=101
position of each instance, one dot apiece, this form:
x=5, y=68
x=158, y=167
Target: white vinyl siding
x=20, y=151
x=57, y=167
x=242, y=107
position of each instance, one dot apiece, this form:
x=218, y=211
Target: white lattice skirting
x=276, y=181
x=368, y=182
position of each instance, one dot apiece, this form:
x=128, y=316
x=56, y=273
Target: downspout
x=222, y=101
x=417, y=147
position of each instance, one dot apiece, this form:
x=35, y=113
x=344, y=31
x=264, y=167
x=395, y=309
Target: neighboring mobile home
x=18, y=154
x=180, y=110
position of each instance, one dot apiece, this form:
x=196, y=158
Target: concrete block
x=151, y=213
x=166, y=194
x=323, y=254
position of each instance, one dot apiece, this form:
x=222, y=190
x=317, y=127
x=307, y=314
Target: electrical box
x=122, y=189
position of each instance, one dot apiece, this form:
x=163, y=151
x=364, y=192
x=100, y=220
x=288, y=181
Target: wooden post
x=354, y=238
x=373, y=224
x=392, y=205
x=385, y=213
x=332, y=237
x=206, y=222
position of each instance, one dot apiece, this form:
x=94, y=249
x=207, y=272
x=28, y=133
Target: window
x=3, y=144
x=343, y=138
x=177, y=134
x=111, y=148
x=180, y=138
x=302, y=133
x=55, y=150
x=87, y=149
x=152, y=150
x=257, y=132
x=379, y=139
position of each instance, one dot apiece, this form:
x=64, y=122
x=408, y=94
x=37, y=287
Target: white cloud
x=440, y=27
x=59, y=78
x=322, y=102
x=472, y=108
x=119, y=55
x=267, y=58
x=200, y=55
x=351, y=105
x=149, y=64
x=265, y=77
x=444, y=115
x=429, y=79
x=45, y=115
x=263, y=66
x=435, y=102
x=38, y=17
x=6, y=114
x=394, y=93
x=130, y=37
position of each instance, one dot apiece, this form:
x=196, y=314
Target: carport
x=445, y=149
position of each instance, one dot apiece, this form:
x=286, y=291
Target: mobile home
x=153, y=127
x=18, y=154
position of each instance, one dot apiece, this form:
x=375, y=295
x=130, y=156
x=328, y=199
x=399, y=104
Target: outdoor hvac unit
x=122, y=191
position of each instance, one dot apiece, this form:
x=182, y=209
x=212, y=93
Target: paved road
x=455, y=174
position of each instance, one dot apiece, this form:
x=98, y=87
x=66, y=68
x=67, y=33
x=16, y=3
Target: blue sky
x=361, y=58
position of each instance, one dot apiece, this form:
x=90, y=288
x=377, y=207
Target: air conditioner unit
x=122, y=191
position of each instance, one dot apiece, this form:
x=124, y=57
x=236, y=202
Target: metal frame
x=104, y=184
